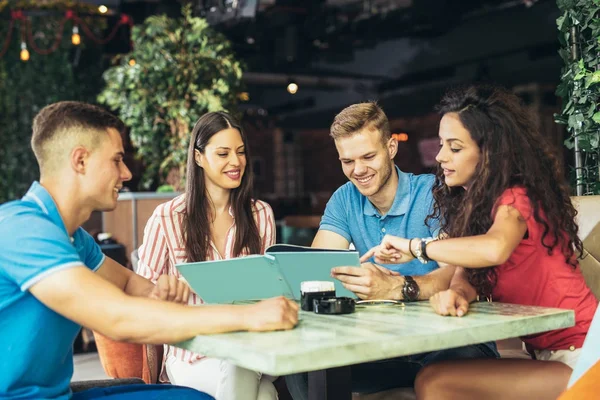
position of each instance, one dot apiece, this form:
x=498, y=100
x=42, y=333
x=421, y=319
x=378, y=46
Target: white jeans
x=568, y=357
x=221, y=380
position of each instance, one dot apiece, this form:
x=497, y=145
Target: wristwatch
x=410, y=290
x=420, y=252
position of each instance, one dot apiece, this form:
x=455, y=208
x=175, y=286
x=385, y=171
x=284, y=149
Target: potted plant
x=179, y=69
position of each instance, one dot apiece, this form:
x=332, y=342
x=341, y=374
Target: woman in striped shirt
x=215, y=218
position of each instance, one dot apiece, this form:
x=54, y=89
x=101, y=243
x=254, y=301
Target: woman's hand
x=392, y=250
x=170, y=288
x=449, y=302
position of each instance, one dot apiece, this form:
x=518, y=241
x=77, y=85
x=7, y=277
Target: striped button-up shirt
x=164, y=247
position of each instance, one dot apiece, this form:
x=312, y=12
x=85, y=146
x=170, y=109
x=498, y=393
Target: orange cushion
x=586, y=387
x=129, y=360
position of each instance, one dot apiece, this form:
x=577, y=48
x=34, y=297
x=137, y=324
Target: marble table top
x=374, y=333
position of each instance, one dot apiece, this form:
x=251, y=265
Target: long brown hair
x=196, y=222
x=513, y=153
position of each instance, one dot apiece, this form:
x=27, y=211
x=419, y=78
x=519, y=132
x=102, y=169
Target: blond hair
x=359, y=117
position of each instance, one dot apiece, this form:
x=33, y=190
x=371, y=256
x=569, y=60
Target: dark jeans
x=394, y=373
x=141, y=392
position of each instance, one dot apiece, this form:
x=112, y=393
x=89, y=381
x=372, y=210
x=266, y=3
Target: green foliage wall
x=580, y=84
x=25, y=87
x=183, y=69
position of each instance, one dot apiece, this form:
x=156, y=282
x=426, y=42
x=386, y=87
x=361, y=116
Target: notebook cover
x=237, y=279
x=299, y=264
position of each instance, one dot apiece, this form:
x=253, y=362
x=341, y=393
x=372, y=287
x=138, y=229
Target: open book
x=278, y=272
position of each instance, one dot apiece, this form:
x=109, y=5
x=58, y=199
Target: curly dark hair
x=513, y=153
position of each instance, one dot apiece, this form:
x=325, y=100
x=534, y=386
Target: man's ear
x=199, y=158
x=80, y=159
x=392, y=146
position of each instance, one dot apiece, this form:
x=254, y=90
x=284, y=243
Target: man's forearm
x=434, y=281
x=138, y=286
x=138, y=322
x=429, y=284
x=76, y=292
x=125, y=279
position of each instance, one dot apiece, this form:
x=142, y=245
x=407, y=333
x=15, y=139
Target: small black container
x=334, y=305
x=307, y=299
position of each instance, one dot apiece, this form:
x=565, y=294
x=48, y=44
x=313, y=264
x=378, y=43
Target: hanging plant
x=579, y=36
x=180, y=68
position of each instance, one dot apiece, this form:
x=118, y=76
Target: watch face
x=411, y=290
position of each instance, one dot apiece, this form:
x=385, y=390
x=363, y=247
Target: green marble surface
x=374, y=333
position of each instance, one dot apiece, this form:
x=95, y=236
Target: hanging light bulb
x=75, y=38
x=292, y=87
x=24, y=52
x=103, y=9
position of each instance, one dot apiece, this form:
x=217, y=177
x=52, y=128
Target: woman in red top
x=508, y=221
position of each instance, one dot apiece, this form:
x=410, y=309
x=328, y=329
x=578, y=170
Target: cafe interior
x=295, y=64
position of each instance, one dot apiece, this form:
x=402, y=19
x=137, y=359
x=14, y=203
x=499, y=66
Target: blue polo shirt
x=36, y=343
x=353, y=216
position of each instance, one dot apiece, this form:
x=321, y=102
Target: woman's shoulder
x=516, y=190
x=170, y=208
x=517, y=197
x=261, y=206
x=513, y=194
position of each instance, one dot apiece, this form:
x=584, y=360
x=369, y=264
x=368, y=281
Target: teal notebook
x=277, y=273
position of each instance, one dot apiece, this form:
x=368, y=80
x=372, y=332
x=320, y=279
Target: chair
x=586, y=388
x=584, y=383
x=130, y=360
x=589, y=231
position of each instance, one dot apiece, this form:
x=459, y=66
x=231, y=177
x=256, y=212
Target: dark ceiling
x=403, y=53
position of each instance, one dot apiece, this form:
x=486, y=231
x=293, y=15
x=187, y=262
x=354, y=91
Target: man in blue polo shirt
x=379, y=199
x=54, y=278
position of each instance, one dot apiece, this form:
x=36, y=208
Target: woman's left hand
x=170, y=288
x=392, y=250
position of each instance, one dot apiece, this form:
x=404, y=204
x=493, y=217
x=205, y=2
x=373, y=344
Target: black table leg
x=330, y=384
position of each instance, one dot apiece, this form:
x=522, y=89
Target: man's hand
x=273, y=314
x=368, y=282
x=449, y=302
x=392, y=250
x=169, y=288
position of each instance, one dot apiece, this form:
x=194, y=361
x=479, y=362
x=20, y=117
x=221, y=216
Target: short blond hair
x=59, y=127
x=360, y=116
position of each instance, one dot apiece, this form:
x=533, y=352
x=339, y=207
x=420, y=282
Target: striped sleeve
x=266, y=225
x=153, y=251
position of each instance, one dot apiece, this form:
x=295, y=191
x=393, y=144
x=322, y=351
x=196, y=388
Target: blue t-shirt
x=353, y=216
x=36, y=343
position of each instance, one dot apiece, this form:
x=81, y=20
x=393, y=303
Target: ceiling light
x=292, y=87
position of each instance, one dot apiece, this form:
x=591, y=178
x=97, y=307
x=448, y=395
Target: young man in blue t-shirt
x=378, y=200
x=54, y=278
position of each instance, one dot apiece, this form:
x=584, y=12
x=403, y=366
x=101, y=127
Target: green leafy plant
x=579, y=25
x=180, y=68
